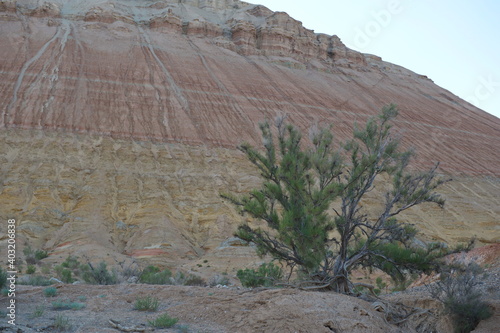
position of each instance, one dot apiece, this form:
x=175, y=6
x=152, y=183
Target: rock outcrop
x=119, y=122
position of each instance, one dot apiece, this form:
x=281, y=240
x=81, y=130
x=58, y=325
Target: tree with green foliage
x=311, y=200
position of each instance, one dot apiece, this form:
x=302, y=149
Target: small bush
x=163, y=321
x=29, y=254
x=188, y=280
x=71, y=263
x=267, y=275
x=147, y=304
x=67, y=305
x=152, y=275
x=179, y=278
x=36, y=280
x=457, y=290
x=71, y=266
x=39, y=311
x=31, y=269
x=40, y=255
x=66, y=276
x=50, y=292
x=194, y=280
x=99, y=275
x=219, y=280
x=61, y=323
x=130, y=271
x=380, y=286
x=34, y=256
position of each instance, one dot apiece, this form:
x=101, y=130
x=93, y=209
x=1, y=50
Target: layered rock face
x=119, y=122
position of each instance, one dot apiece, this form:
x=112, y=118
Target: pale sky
x=456, y=43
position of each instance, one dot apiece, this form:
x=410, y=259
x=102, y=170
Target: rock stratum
x=119, y=122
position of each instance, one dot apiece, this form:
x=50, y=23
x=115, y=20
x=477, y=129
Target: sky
x=456, y=43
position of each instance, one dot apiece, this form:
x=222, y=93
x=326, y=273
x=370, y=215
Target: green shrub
x=152, y=275
x=163, y=321
x=99, y=275
x=380, y=286
x=50, y=292
x=31, y=269
x=457, y=290
x=468, y=315
x=36, y=280
x=71, y=266
x=67, y=305
x=38, y=312
x=67, y=276
x=71, y=263
x=267, y=275
x=33, y=256
x=29, y=254
x=61, y=323
x=194, y=280
x=147, y=304
x=222, y=280
x=40, y=255
x=3, y=278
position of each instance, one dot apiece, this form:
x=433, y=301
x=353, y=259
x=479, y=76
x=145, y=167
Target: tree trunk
x=340, y=281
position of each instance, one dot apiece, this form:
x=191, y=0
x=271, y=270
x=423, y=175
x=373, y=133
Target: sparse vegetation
x=66, y=276
x=32, y=257
x=31, y=269
x=45, y=269
x=50, y=292
x=266, y=275
x=153, y=275
x=36, y=280
x=61, y=323
x=187, y=280
x=67, y=305
x=99, y=274
x=216, y=280
x=380, y=286
x=301, y=185
x=458, y=290
x=39, y=311
x=40, y=255
x=69, y=267
x=194, y=280
x=147, y=304
x=163, y=321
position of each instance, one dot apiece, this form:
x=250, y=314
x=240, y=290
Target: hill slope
x=119, y=121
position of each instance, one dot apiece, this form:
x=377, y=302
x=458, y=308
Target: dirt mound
x=213, y=310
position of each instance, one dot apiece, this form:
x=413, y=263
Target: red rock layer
x=171, y=72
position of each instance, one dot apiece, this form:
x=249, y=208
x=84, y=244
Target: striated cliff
x=119, y=122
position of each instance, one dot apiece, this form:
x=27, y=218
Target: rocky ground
x=202, y=309
x=236, y=309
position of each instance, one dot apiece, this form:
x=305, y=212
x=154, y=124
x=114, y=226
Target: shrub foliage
x=163, y=321
x=312, y=198
x=266, y=275
x=458, y=290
